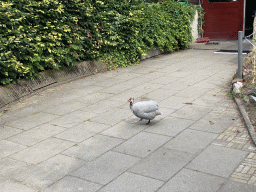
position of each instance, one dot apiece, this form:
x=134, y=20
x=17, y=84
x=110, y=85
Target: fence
x=11, y=93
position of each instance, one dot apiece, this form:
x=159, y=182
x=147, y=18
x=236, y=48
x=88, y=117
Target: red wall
x=223, y=20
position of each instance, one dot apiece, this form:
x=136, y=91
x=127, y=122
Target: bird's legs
x=137, y=121
x=148, y=122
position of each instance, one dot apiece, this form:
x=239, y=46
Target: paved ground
x=79, y=136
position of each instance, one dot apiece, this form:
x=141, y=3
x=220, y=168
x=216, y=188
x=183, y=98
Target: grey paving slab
x=181, y=73
x=191, y=141
x=175, y=102
x=77, y=92
x=113, y=117
x=124, y=96
x=36, y=135
x=192, y=112
x=138, y=80
x=132, y=182
x=195, y=78
x=32, y=120
x=7, y=131
x=73, y=118
x=94, y=97
x=205, y=85
x=93, y=147
x=160, y=94
x=142, y=144
x=66, y=108
x=153, y=75
x=164, y=80
x=170, y=126
x=208, y=72
x=143, y=70
x=73, y=184
x=102, y=106
x=106, y=168
x=232, y=186
x=192, y=92
x=42, y=151
x=82, y=131
x=49, y=171
x=218, y=80
x=128, y=75
x=108, y=82
x=146, y=88
x=115, y=89
x=10, y=167
x=219, y=161
x=168, y=68
x=212, y=123
x=166, y=112
x=211, y=100
x=162, y=164
x=11, y=186
x=7, y=148
x=123, y=130
x=178, y=85
x=193, y=181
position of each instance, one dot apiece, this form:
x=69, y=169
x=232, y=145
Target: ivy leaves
x=51, y=34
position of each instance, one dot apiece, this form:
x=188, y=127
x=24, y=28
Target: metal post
x=240, y=57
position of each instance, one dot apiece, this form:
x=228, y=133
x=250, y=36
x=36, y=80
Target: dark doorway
x=250, y=7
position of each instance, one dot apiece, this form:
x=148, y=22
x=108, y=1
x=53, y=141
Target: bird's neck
x=131, y=105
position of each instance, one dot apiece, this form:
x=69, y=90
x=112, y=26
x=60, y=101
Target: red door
x=223, y=20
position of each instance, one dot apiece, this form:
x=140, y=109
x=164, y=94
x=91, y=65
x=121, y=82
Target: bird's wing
x=145, y=109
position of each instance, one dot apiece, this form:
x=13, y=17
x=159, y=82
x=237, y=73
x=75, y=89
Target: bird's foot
x=148, y=122
x=136, y=121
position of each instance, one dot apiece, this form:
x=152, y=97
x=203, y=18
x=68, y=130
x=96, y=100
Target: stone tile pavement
x=79, y=136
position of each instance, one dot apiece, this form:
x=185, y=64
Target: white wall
x=194, y=24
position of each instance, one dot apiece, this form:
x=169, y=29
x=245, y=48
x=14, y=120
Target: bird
x=145, y=109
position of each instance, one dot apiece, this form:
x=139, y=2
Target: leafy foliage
x=52, y=34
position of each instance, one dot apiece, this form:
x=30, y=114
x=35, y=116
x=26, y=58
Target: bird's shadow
x=143, y=122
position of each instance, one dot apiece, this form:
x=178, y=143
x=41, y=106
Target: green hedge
x=52, y=34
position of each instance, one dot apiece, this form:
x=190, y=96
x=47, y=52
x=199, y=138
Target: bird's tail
x=158, y=112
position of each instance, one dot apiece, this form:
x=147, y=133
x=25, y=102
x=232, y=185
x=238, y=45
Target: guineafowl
x=145, y=109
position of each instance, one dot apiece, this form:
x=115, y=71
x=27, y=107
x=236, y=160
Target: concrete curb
x=248, y=123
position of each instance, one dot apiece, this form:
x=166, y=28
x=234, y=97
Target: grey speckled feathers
x=145, y=109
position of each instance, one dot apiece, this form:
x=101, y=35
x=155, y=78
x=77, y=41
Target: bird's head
x=131, y=101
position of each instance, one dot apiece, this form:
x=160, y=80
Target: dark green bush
x=52, y=34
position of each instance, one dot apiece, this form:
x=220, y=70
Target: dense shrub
x=51, y=34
